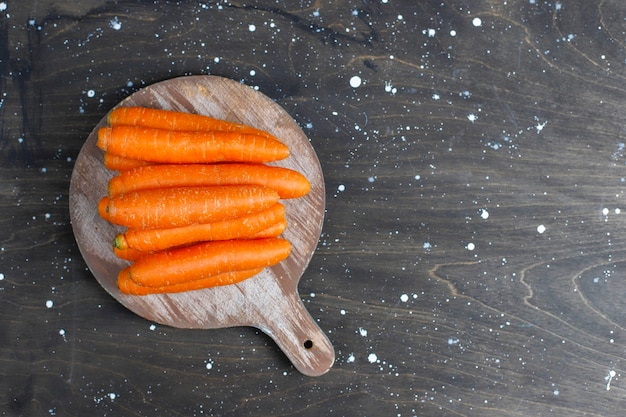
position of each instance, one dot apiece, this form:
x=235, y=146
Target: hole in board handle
x=308, y=344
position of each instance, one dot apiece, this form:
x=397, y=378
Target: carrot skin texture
x=119, y=163
x=287, y=182
x=129, y=254
x=179, y=266
x=166, y=146
x=182, y=206
x=174, y=120
x=274, y=230
x=127, y=286
x=238, y=228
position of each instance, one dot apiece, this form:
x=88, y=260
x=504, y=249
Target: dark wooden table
x=472, y=258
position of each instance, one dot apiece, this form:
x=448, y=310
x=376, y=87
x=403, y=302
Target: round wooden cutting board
x=269, y=301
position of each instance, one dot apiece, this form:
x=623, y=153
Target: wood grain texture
x=526, y=323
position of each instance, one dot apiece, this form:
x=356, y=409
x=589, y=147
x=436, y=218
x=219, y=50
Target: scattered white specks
x=484, y=214
x=609, y=378
x=427, y=246
x=3, y=6
x=362, y=332
x=251, y=28
x=541, y=228
x=115, y=24
x=540, y=126
x=91, y=93
x=453, y=341
x=49, y=304
x=390, y=88
x=62, y=333
x=470, y=246
x=372, y=358
x=477, y=22
x=350, y=358
x=472, y=117
x=404, y=298
x=355, y=81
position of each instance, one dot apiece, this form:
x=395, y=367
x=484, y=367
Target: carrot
x=182, y=206
x=180, y=266
x=129, y=254
x=127, y=286
x=118, y=163
x=166, y=146
x=287, y=182
x=240, y=227
x=273, y=231
x=174, y=120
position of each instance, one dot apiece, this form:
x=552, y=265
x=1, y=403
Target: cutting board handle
x=299, y=337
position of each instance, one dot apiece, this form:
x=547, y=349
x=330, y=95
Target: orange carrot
x=182, y=206
x=274, y=230
x=237, y=228
x=127, y=286
x=287, y=182
x=174, y=120
x=118, y=163
x=129, y=254
x=167, y=146
x=180, y=266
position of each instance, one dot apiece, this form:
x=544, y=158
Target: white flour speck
x=115, y=24
x=484, y=214
x=541, y=228
x=605, y=211
x=209, y=365
x=477, y=22
x=609, y=378
x=372, y=358
x=470, y=246
x=436, y=96
x=427, y=246
x=355, y=81
x=251, y=28
x=3, y=6
x=91, y=93
x=1, y=276
x=112, y=396
x=472, y=117
x=350, y=358
x=453, y=341
x=153, y=327
x=453, y=33
x=342, y=312
x=341, y=188
x=362, y=331
x=404, y=298
x=49, y=304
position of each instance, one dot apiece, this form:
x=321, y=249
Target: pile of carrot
x=200, y=206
